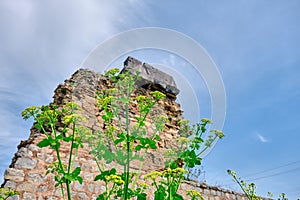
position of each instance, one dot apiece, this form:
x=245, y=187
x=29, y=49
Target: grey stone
x=82, y=196
x=78, y=186
x=45, y=157
x=206, y=191
x=88, y=176
x=24, y=152
x=43, y=188
x=25, y=163
x=36, y=177
x=33, y=147
x=27, y=187
x=52, y=198
x=91, y=188
x=150, y=76
x=14, y=174
x=10, y=184
x=58, y=192
x=28, y=196
x=15, y=197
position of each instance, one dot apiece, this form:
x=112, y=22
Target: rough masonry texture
x=27, y=172
x=151, y=77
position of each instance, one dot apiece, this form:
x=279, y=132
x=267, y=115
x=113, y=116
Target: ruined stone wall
x=27, y=172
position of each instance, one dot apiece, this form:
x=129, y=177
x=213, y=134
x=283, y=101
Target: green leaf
x=177, y=197
x=117, y=141
x=160, y=193
x=138, y=147
x=101, y=197
x=68, y=139
x=157, y=137
x=98, y=177
x=44, y=143
x=142, y=196
x=79, y=179
x=76, y=171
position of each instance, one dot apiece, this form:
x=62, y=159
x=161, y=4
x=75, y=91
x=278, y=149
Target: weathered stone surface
x=28, y=169
x=24, y=152
x=28, y=187
x=151, y=76
x=14, y=174
x=15, y=197
x=43, y=188
x=10, y=184
x=25, y=163
x=36, y=177
x=45, y=157
x=52, y=198
x=28, y=196
x=82, y=196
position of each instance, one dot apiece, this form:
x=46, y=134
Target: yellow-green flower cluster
x=112, y=72
x=30, y=111
x=174, y=172
x=115, y=179
x=54, y=167
x=206, y=121
x=183, y=122
x=232, y=173
x=183, y=140
x=194, y=194
x=218, y=133
x=144, y=185
x=141, y=98
x=153, y=175
x=7, y=192
x=158, y=95
x=112, y=91
x=71, y=106
x=72, y=118
x=177, y=172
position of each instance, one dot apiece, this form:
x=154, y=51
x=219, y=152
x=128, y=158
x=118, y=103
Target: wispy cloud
x=261, y=138
x=39, y=49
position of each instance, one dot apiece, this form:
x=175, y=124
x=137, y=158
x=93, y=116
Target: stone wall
x=27, y=172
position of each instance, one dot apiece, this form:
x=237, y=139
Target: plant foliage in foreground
x=122, y=141
x=250, y=189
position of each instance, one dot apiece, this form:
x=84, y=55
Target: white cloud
x=43, y=43
x=261, y=138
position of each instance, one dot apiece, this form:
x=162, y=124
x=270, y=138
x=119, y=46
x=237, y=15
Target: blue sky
x=255, y=44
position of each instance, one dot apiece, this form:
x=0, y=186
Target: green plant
x=46, y=120
x=190, y=150
x=5, y=193
x=123, y=139
x=250, y=189
x=132, y=143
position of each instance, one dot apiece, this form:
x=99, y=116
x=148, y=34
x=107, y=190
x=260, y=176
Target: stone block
x=46, y=157
x=36, y=177
x=25, y=163
x=52, y=198
x=78, y=186
x=10, y=184
x=43, y=188
x=14, y=174
x=82, y=196
x=91, y=188
x=28, y=196
x=16, y=197
x=150, y=76
x=24, y=152
x=28, y=187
